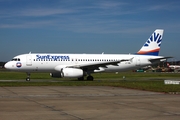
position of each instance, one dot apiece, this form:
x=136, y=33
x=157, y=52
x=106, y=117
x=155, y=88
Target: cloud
x=27, y=24
x=170, y=6
x=158, y=7
x=39, y=12
x=93, y=17
x=111, y=5
x=35, y=12
x=72, y=17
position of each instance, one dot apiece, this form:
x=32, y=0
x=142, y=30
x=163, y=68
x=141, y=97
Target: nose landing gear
x=28, y=77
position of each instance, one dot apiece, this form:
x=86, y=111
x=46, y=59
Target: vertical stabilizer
x=152, y=45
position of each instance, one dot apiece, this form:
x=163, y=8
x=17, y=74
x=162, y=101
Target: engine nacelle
x=68, y=72
x=56, y=75
x=71, y=72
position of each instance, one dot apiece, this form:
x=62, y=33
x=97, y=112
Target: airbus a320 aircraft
x=81, y=65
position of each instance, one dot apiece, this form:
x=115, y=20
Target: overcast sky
x=86, y=26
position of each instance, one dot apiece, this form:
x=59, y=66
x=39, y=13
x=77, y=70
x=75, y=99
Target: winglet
x=152, y=45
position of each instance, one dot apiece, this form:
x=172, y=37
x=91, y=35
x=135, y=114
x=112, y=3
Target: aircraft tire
x=90, y=78
x=28, y=79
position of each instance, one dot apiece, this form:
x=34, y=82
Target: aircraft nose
x=7, y=65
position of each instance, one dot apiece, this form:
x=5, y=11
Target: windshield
x=15, y=59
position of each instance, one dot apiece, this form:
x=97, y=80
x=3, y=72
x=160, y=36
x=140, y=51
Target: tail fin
x=152, y=45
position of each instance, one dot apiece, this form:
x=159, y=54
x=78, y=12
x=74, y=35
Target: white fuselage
x=52, y=62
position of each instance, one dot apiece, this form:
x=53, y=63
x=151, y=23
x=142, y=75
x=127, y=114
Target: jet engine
x=68, y=72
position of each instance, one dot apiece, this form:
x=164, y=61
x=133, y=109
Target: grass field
x=134, y=80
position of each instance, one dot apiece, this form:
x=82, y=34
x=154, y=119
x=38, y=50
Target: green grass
x=143, y=81
x=7, y=75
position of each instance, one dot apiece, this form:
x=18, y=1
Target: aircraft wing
x=96, y=66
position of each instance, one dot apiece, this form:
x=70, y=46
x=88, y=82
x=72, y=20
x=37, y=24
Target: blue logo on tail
x=154, y=38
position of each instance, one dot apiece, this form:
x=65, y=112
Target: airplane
x=81, y=65
x=174, y=67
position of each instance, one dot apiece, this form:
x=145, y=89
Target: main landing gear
x=28, y=77
x=91, y=78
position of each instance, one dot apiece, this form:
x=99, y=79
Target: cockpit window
x=15, y=59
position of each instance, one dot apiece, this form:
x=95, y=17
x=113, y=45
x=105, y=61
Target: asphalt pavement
x=86, y=103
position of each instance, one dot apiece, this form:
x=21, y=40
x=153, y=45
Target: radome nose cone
x=7, y=65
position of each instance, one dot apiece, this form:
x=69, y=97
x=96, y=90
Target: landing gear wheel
x=28, y=79
x=90, y=78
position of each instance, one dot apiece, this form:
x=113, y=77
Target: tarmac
x=86, y=103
